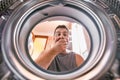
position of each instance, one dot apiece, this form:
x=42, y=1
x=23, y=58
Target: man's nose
x=61, y=36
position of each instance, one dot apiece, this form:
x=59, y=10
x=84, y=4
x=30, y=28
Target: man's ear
x=69, y=38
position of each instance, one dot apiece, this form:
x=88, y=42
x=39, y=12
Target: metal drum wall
x=95, y=19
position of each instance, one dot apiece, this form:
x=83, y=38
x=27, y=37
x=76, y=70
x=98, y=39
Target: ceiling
x=47, y=28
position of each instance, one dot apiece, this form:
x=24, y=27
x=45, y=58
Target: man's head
x=61, y=31
x=61, y=36
x=61, y=26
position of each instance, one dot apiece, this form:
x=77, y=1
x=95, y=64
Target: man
x=57, y=58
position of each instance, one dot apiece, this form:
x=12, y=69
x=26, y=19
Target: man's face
x=61, y=33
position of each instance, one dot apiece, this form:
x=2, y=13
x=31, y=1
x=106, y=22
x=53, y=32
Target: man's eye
x=58, y=34
x=65, y=34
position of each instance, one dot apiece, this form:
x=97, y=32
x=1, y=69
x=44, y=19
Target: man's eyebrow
x=57, y=32
x=65, y=32
x=61, y=32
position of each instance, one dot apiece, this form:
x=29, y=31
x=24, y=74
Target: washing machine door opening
x=92, y=36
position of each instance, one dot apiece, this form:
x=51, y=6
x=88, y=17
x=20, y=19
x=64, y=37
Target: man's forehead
x=61, y=30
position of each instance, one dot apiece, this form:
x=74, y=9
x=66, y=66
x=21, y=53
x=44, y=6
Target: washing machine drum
x=93, y=18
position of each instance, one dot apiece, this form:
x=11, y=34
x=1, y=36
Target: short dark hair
x=61, y=26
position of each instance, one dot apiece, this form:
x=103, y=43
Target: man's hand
x=60, y=45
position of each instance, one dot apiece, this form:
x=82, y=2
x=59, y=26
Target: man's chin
x=64, y=52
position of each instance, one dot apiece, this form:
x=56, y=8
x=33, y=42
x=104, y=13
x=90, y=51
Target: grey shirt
x=63, y=62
